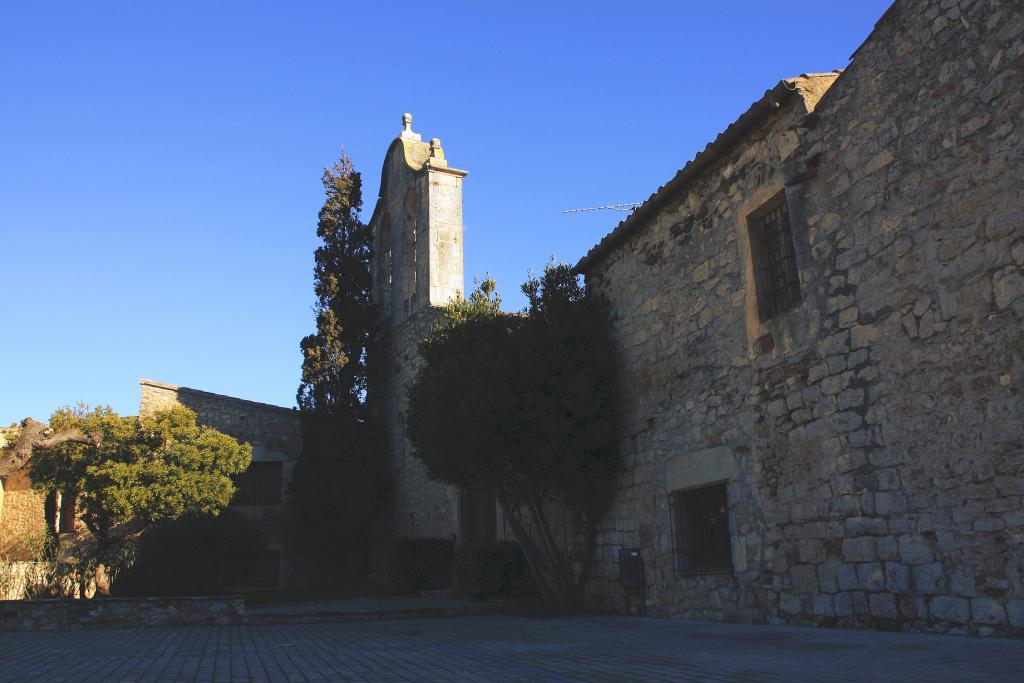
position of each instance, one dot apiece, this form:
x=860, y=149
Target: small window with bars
x=259, y=485
x=261, y=571
x=700, y=530
x=775, y=269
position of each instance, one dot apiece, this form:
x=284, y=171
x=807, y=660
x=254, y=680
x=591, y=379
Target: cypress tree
x=338, y=483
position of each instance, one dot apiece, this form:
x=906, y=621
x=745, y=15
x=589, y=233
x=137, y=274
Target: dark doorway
x=478, y=520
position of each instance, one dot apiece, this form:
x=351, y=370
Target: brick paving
x=355, y=609
x=504, y=648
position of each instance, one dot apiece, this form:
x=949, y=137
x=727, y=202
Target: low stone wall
x=60, y=615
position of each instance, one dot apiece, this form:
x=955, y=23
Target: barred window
x=777, y=279
x=263, y=571
x=700, y=530
x=259, y=485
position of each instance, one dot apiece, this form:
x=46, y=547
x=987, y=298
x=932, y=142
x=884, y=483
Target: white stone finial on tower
x=437, y=153
x=407, y=133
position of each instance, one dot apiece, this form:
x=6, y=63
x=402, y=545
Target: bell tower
x=417, y=270
x=417, y=227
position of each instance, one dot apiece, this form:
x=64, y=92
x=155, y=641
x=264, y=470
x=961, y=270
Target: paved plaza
x=504, y=648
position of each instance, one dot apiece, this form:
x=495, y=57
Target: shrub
x=422, y=563
x=493, y=570
x=191, y=555
x=33, y=566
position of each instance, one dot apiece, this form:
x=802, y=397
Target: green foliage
x=334, y=359
x=493, y=570
x=32, y=566
x=525, y=407
x=191, y=555
x=146, y=470
x=340, y=481
x=421, y=563
x=337, y=489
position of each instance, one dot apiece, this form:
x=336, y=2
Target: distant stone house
x=24, y=510
x=275, y=434
x=820, y=321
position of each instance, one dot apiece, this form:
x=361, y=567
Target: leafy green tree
x=138, y=472
x=338, y=483
x=525, y=407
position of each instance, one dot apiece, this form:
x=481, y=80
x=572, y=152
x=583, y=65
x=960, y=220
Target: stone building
x=275, y=434
x=820, y=323
x=22, y=511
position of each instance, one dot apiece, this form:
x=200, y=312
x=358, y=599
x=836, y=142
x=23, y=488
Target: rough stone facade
x=22, y=513
x=417, y=228
x=275, y=434
x=870, y=438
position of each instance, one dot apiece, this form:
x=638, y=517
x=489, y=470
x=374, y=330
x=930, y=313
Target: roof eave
x=722, y=145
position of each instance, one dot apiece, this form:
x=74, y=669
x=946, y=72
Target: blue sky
x=160, y=162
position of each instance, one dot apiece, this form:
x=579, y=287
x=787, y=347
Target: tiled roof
x=721, y=145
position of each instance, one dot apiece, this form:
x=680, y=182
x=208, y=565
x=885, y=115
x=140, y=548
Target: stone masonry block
x=915, y=550
x=790, y=603
x=804, y=578
x=897, y=577
x=888, y=548
x=863, y=549
x=827, y=580
x=1015, y=611
x=811, y=550
x=821, y=604
x=843, y=605
x=948, y=608
x=987, y=611
x=846, y=577
x=860, y=602
x=928, y=578
x=883, y=605
x=870, y=576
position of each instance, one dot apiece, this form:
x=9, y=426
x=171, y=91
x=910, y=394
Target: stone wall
x=22, y=515
x=275, y=434
x=420, y=506
x=870, y=438
x=62, y=615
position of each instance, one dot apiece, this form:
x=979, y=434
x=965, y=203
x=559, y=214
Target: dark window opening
x=700, y=530
x=68, y=506
x=777, y=279
x=262, y=572
x=259, y=485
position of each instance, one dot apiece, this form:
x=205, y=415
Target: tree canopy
x=525, y=407
x=138, y=471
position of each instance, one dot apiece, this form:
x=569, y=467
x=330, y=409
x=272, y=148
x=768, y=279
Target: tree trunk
x=550, y=567
x=38, y=435
x=102, y=581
